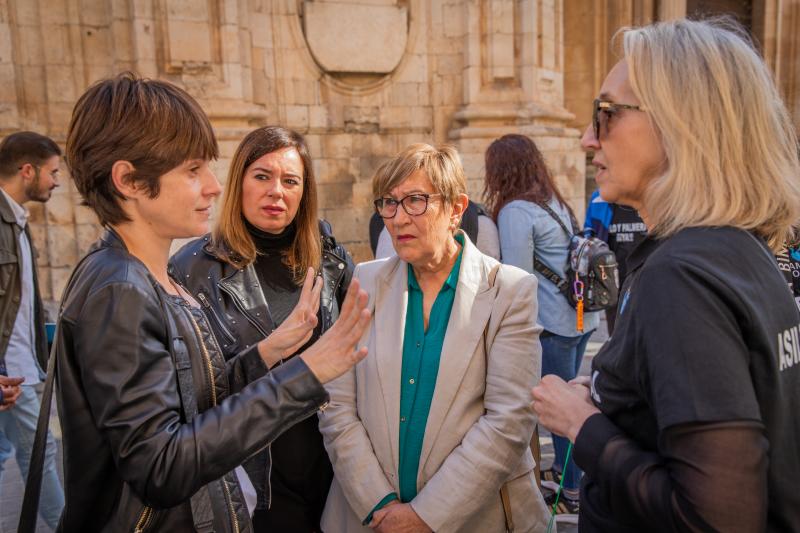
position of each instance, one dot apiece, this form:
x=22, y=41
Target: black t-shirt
x=706, y=333
x=625, y=232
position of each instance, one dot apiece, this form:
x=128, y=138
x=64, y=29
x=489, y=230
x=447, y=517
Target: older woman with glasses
x=432, y=433
x=689, y=421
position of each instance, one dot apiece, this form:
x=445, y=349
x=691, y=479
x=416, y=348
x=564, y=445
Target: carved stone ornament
x=354, y=37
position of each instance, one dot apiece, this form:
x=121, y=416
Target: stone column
x=513, y=83
x=780, y=37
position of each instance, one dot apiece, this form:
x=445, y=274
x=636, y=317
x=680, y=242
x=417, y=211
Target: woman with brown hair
x=534, y=221
x=248, y=276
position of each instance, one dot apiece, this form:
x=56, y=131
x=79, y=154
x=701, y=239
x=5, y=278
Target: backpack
x=592, y=271
x=469, y=223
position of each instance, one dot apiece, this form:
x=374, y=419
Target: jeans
x=562, y=356
x=17, y=429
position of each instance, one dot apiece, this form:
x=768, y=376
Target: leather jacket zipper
x=145, y=520
x=234, y=520
x=206, y=360
x=220, y=323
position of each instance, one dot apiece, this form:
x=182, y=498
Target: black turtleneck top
x=301, y=471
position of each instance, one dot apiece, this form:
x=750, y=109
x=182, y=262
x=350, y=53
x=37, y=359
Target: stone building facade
x=361, y=79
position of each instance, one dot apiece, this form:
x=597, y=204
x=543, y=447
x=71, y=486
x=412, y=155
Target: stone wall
x=361, y=79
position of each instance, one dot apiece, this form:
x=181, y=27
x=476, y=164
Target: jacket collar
x=6, y=211
x=109, y=239
x=473, y=273
x=642, y=251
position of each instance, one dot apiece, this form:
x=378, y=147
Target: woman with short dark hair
x=155, y=420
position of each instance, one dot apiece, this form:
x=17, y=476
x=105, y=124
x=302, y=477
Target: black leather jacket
x=131, y=460
x=239, y=313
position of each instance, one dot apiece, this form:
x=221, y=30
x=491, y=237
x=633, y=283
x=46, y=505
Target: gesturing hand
x=334, y=353
x=11, y=391
x=295, y=331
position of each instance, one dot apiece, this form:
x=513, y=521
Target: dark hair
x=515, y=170
x=25, y=147
x=232, y=241
x=152, y=124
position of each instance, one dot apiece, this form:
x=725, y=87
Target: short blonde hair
x=441, y=164
x=729, y=142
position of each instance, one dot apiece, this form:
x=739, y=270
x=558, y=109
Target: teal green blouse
x=422, y=351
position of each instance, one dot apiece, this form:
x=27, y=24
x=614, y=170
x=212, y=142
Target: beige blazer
x=480, y=423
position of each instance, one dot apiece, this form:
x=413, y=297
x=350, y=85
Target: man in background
x=29, y=171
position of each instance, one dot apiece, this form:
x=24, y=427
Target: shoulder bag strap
x=554, y=216
x=33, y=485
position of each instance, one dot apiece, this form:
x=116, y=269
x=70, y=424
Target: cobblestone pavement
x=11, y=488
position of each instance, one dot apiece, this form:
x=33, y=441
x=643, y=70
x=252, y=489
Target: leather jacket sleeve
x=119, y=342
x=244, y=368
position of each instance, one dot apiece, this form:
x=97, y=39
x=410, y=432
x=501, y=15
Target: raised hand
x=295, y=331
x=334, y=353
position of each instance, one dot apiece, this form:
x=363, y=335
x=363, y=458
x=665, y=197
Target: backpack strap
x=376, y=225
x=561, y=284
x=554, y=216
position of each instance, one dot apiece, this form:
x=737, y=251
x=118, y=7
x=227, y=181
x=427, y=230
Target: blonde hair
x=440, y=163
x=231, y=239
x=730, y=145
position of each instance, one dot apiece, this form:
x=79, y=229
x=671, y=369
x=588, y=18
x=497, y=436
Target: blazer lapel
x=472, y=308
x=391, y=300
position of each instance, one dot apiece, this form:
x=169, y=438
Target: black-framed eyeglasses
x=414, y=204
x=602, y=110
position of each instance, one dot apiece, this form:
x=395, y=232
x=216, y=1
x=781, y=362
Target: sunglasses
x=603, y=110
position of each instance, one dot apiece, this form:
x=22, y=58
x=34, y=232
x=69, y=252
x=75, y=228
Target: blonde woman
x=432, y=433
x=690, y=419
